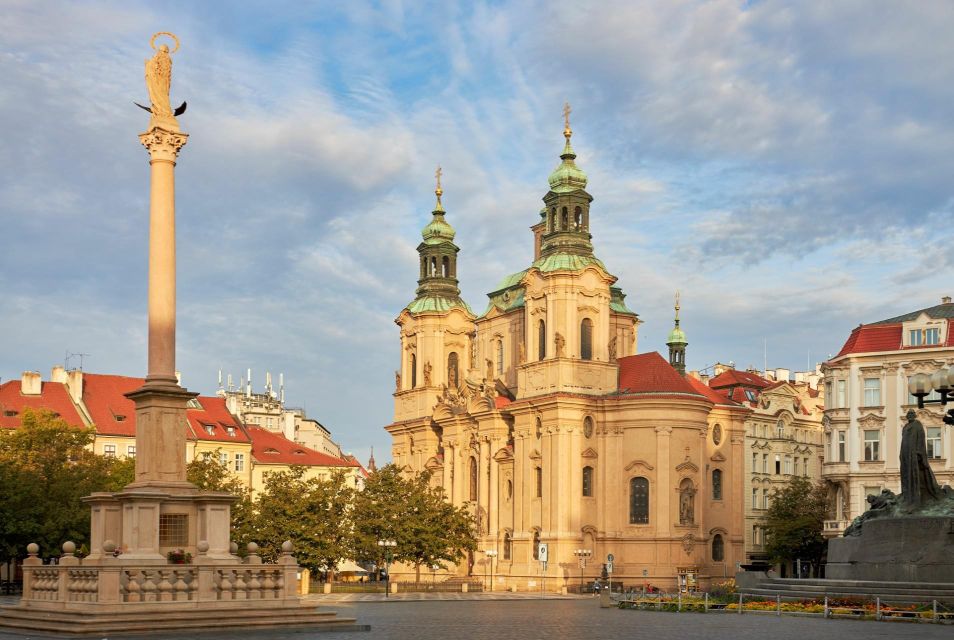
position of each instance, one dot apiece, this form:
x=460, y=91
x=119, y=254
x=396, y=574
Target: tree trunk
x=417, y=573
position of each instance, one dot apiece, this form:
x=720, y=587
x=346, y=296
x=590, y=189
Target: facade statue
x=427, y=373
x=612, y=349
x=918, y=484
x=560, y=343
x=523, y=353
x=490, y=370
x=686, y=506
x=397, y=380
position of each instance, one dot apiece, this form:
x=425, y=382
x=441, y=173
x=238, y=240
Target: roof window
x=209, y=429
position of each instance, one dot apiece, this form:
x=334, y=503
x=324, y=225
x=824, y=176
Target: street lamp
x=491, y=554
x=386, y=546
x=434, y=568
x=921, y=385
x=582, y=554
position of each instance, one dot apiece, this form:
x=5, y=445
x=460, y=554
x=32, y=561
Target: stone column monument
x=130, y=582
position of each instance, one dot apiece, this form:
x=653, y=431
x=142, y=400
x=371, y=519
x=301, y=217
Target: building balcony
x=835, y=528
x=836, y=470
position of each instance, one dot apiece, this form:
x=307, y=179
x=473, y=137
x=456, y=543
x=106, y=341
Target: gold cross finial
x=438, y=191
x=567, y=132
x=677, y=306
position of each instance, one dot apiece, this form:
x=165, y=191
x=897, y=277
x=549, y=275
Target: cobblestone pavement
x=327, y=599
x=571, y=619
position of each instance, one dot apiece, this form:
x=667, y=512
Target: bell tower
x=677, y=344
x=437, y=327
x=567, y=204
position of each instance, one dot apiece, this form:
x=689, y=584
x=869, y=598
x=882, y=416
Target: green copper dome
x=567, y=177
x=438, y=230
x=676, y=336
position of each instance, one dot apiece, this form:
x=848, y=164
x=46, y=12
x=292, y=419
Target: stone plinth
x=912, y=549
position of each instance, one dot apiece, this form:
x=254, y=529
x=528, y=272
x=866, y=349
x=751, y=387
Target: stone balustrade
x=114, y=582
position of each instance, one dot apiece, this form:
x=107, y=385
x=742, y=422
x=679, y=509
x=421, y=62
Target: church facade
x=541, y=417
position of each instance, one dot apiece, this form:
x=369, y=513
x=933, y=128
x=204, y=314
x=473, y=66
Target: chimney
x=946, y=300
x=74, y=384
x=58, y=374
x=31, y=384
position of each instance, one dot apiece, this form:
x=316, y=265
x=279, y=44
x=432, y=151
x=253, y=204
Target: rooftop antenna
x=231, y=388
x=75, y=355
x=220, y=379
x=281, y=388
x=765, y=354
x=248, y=384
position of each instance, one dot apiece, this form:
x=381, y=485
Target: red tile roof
x=269, y=447
x=53, y=396
x=733, y=377
x=649, y=373
x=711, y=394
x=502, y=401
x=868, y=338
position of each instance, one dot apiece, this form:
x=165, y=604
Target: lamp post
x=434, y=568
x=921, y=385
x=582, y=554
x=386, y=546
x=491, y=554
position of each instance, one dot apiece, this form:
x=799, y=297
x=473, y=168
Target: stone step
x=86, y=623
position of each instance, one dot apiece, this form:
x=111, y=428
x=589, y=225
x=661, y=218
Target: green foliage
x=795, y=520
x=312, y=513
x=46, y=466
x=427, y=529
x=208, y=474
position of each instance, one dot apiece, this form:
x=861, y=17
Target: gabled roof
x=887, y=335
x=937, y=312
x=650, y=373
x=269, y=447
x=53, y=396
x=733, y=377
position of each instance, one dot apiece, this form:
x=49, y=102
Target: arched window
x=588, y=482
x=536, y=545
x=423, y=267
x=538, y=430
x=473, y=480
x=564, y=219
x=500, y=362
x=452, y=375
x=718, y=548
x=413, y=370
x=639, y=501
x=717, y=484
x=542, y=340
x=507, y=544
x=552, y=220
x=578, y=219
x=538, y=476
x=445, y=267
x=433, y=271
x=586, y=339
x=509, y=490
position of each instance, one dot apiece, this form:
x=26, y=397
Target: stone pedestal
x=914, y=549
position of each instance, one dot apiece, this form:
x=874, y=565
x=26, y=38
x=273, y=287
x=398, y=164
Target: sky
x=786, y=166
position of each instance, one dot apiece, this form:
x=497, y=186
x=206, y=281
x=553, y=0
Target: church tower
x=437, y=326
x=677, y=344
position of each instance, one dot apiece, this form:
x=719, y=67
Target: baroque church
x=541, y=417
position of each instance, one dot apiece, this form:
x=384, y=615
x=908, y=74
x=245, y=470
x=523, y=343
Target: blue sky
x=787, y=166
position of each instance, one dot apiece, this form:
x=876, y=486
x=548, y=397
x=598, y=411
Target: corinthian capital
x=163, y=144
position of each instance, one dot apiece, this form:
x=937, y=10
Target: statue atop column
x=158, y=83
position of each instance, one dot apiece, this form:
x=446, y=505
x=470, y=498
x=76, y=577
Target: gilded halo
x=152, y=41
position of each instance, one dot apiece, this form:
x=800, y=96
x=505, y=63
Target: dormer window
x=750, y=395
x=120, y=418
x=924, y=337
x=230, y=431
x=209, y=429
x=10, y=413
x=270, y=450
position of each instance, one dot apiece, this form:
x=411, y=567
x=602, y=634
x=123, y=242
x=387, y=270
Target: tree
x=46, y=467
x=794, y=522
x=208, y=474
x=312, y=513
x=427, y=529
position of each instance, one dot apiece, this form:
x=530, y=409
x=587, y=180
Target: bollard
x=778, y=604
x=705, y=605
x=826, y=607
x=679, y=603
x=740, y=603
x=934, y=609
x=878, y=608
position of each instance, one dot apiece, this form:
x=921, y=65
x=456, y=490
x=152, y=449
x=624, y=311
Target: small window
x=587, y=482
x=841, y=396
x=718, y=548
x=541, y=340
x=9, y=413
x=413, y=371
x=750, y=395
x=639, y=501
x=717, y=484
x=230, y=431
x=109, y=450
x=509, y=490
x=586, y=339
x=120, y=418
x=130, y=451
x=755, y=498
x=239, y=462
x=473, y=480
x=223, y=458
x=500, y=357
x=765, y=499
x=210, y=429
x=453, y=379
x=932, y=336
x=507, y=545
x=538, y=474
x=778, y=464
x=872, y=392
x=934, y=442
x=872, y=445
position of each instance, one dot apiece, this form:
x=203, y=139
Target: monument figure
x=918, y=484
x=159, y=82
x=560, y=343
